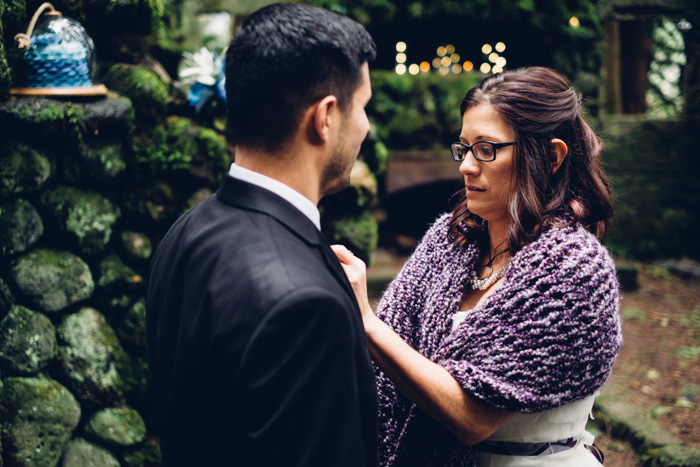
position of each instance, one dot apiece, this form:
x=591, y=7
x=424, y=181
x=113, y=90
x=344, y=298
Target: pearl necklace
x=488, y=281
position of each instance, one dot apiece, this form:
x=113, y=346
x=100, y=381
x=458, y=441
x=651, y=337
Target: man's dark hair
x=284, y=58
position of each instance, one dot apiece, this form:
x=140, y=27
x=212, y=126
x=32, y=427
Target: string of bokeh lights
x=448, y=61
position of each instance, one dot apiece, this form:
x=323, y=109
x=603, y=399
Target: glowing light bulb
x=437, y=62
x=450, y=49
x=400, y=69
x=455, y=58
x=468, y=66
x=444, y=70
x=401, y=46
x=493, y=57
x=414, y=69
x=574, y=22
x=486, y=49
x=456, y=68
x=500, y=47
x=501, y=62
x=400, y=58
x=445, y=61
x=441, y=51
x=424, y=67
x=485, y=68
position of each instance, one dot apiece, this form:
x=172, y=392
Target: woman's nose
x=469, y=166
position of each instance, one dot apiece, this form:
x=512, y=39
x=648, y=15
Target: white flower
x=201, y=67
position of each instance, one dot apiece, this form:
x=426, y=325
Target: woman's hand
x=356, y=270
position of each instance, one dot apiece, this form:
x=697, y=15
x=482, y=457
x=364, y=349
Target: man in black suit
x=257, y=352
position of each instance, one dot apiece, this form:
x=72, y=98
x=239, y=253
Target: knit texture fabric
x=547, y=337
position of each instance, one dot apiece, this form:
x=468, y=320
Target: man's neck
x=292, y=171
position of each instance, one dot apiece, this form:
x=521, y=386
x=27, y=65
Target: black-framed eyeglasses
x=482, y=151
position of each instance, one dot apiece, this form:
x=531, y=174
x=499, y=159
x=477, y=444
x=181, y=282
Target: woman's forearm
x=431, y=387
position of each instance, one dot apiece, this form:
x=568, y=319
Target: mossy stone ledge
x=27, y=341
x=85, y=218
x=38, y=417
x=20, y=227
x=23, y=168
x=80, y=453
x=52, y=280
x=91, y=359
x=117, y=426
x=38, y=118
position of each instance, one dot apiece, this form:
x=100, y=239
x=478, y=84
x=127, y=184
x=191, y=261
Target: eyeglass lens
x=482, y=151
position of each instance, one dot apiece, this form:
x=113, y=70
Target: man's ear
x=323, y=115
x=559, y=150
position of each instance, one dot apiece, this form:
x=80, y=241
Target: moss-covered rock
x=20, y=227
x=117, y=284
x=91, y=358
x=359, y=233
x=147, y=453
x=13, y=17
x=7, y=301
x=137, y=246
x=118, y=426
x=38, y=416
x=39, y=118
x=112, y=116
x=96, y=163
x=5, y=77
x=27, y=341
x=151, y=202
x=52, y=280
x=182, y=145
x=23, y=169
x=80, y=453
x=84, y=218
x=146, y=90
x=132, y=328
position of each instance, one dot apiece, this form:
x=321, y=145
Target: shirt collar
x=298, y=200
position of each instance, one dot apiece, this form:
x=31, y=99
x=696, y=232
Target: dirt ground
x=658, y=369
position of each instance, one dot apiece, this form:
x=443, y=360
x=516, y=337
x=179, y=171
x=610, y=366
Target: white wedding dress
x=561, y=423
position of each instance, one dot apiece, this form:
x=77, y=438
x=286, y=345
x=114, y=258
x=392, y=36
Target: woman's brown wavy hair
x=539, y=104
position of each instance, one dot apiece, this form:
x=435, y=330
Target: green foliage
x=634, y=313
x=417, y=111
x=654, y=177
x=180, y=144
x=687, y=353
x=149, y=94
x=5, y=76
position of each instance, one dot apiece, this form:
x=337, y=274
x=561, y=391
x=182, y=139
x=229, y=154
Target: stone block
x=23, y=169
x=27, y=341
x=91, y=358
x=38, y=417
x=84, y=218
x=117, y=426
x=52, y=280
x=20, y=227
x=80, y=453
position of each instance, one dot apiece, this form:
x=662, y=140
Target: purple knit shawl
x=547, y=337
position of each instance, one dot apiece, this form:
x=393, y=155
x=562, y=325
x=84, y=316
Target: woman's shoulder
x=565, y=246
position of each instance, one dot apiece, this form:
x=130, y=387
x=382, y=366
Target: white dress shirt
x=299, y=201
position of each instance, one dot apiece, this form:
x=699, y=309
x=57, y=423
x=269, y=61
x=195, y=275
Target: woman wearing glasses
x=494, y=339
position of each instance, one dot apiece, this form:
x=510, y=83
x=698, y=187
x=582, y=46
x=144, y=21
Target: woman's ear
x=323, y=115
x=559, y=150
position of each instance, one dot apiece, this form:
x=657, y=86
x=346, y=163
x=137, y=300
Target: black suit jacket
x=257, y=353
